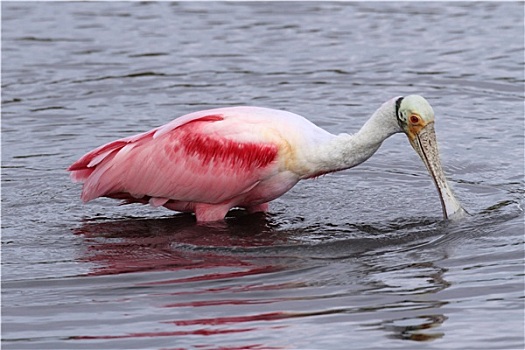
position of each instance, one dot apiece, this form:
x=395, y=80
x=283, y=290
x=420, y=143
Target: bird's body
x=210, y=161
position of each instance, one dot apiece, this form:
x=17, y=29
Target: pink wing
x=195, y=158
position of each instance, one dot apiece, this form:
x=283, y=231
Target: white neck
x=345, y=151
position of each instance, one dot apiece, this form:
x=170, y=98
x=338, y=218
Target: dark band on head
x=398, y=105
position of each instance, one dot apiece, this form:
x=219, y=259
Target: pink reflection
x=175, y=243
x=178, y=244
x=203, y=332
x=270, y=316
x=165, y=334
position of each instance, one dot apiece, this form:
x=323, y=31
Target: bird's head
x=413, y=113
x=415, y=117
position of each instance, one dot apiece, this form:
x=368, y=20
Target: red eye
x=414, y=119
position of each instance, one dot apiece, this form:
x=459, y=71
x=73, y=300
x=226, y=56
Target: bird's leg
x=185, y=207
x=263, y=208
x=211, y=212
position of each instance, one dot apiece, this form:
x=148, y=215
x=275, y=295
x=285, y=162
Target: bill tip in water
x=452, y=209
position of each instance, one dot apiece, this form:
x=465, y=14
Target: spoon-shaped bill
x=425, y=145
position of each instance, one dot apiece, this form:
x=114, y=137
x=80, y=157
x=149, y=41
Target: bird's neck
x=345, y=151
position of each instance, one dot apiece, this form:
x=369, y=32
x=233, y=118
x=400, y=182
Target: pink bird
x=210, y=161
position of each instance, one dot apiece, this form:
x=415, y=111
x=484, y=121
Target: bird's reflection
x=416, y=329
x=254, y=245
x=132, y=245
x=175, y=244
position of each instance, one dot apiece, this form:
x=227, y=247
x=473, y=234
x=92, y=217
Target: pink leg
x=211, y=212
x=186, y=207
x=263, y=207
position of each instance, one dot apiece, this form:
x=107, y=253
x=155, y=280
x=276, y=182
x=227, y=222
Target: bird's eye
x=414, y=119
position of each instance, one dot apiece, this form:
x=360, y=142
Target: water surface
x=359, y=259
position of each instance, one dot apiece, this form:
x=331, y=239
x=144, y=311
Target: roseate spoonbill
x=210, y=161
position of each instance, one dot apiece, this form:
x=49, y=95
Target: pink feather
x=206, y=162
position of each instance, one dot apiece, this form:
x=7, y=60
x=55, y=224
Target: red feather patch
x=227, y=152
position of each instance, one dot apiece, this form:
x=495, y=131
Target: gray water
x=355, y=260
